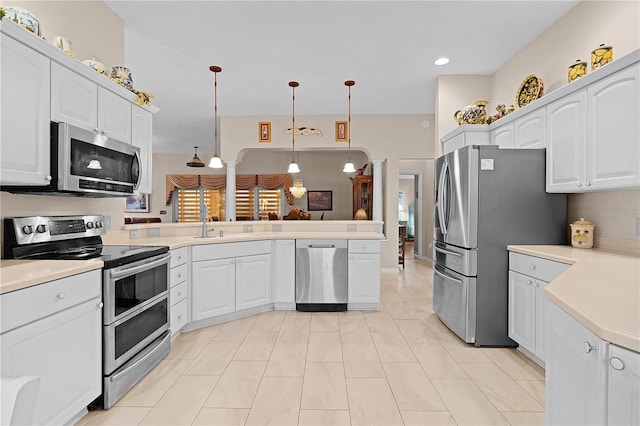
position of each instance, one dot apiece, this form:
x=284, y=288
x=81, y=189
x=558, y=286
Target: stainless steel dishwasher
x=321, y=275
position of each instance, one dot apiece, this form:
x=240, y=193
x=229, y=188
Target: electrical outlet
x=153, y=232
x=638, y=226
x=248, y=228
x=276, y=228
x=351, y=227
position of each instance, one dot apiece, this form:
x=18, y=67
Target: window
x=251, y=204
x=190, y=202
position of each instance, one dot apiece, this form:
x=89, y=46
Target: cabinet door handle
x=535, y=284
x=100, y=305
x=179, y=293
x=579, y=184
x=532, y=267
x=179, y=317
x=588, y=183
x=61, y=295
x=179, y=275
x=588, y=347
x=616, y=363
x=233, y=261
x=48, y=178
x=96, y=130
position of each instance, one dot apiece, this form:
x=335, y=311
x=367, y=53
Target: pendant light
x=216, y=162
x=94, y=163
x=195, y=162
x=348, y=166
x=293, y=166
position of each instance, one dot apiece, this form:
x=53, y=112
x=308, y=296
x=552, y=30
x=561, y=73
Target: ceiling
x=387, y=47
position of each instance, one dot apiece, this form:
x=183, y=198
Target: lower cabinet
x=576, y=371
x=528, y=276
x=230, y=277
x=284, y=274
x=179, y=289
x=63, y=347
x=364, y=274
x=624, y=386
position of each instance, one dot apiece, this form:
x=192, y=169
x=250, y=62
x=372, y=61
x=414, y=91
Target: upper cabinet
x=592, y=136
x=82, y=103
x=24, y=122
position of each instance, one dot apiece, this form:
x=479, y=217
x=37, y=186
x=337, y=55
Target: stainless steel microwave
x=86, y=163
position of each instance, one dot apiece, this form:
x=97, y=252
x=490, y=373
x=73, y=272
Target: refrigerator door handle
x=447, y=277
x=443, y=251
x=443, y=199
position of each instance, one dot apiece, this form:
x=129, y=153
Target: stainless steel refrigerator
x=485, y=199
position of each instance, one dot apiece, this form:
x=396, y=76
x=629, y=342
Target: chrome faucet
x=205, y=230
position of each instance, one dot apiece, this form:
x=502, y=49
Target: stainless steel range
x=135, y=291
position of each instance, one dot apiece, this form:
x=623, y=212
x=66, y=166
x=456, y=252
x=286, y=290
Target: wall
x=103, y=38
x=319, y=171
x=582, y=29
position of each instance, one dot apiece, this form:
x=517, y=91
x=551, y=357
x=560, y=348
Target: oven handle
x=123, y=271
x=142, y=359
x=447, y=277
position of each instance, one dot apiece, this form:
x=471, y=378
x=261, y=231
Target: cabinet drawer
x=178, y=293
x=227, y=250
x=23, y=306
x=364, y=246
x=179, y=256
x=536, y=267
x=179, y=274
x=178, y=316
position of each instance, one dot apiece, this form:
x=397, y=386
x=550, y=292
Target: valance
x=220, y=182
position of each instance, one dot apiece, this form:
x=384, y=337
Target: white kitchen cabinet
x=592, y=136
x=364, y=274
x=82, y=103
x=252, y=289
x=469, y=134
x=576, y=371
x=230, y=277
x=178, y=290
x=284, y=274
x=57, y=336
x=529, y=130
x=503, y=136
x=624, y=386
x=213, y=288
x=24, y=122
x=528, y=276
x=141, y=136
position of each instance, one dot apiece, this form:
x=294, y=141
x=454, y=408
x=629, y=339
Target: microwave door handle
x=139, y=181
x=123, y=271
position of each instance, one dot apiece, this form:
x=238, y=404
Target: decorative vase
x=600, y=56
x=582, y=233
x=577, y=70
x=25, y=18
x=96, y=65
x=62, y=43
x=474, y=113
x=361, y=214
x=122, y=74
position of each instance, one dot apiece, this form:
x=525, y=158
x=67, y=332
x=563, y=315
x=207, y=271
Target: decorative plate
x=530, y=89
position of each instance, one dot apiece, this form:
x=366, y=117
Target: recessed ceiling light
x=441, y=61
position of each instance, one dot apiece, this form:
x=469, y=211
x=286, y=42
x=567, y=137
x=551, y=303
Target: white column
x=230, y=195
x=377, y=189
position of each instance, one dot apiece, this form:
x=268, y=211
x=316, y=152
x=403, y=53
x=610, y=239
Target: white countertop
x=18, y=274
x=601, y=290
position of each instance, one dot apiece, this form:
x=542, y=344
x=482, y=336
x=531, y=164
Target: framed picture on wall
x=264, y=131
x=137, y=204
x=342, y=131
x=319, y=200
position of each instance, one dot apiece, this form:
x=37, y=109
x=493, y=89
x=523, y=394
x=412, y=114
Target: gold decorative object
x=530, y=89
x=582, y=233
x=474, y=113
x=577, y=70
x=502, y=111
x=600, y=56
x=361, y=214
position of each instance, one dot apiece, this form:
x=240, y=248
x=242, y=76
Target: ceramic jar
x=122, y=74
x=600, y=56
x=577, y=70
x=25, y=18
x=474, y=113
x=582, y=233
x=96, y=65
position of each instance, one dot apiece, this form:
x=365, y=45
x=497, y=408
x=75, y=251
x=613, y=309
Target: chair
x=18, y=399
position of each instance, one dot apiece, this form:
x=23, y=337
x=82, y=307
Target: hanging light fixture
x=94, y=163
x=195, y=162
x=293, y=166
x=216, y=162
x=298, y=189
x=348, y=166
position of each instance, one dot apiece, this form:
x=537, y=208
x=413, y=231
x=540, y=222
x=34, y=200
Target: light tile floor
x=397, y=366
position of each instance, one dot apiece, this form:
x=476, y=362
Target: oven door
x=126, y=337
x=134, y=286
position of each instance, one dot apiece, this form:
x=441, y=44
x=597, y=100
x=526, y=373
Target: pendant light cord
x=293, y=85
x=215, y=69
x=349, y=83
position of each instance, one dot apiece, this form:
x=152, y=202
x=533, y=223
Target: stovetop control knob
x=27, y=229
x=41, y=228
x=99, y=224
x=89, y=225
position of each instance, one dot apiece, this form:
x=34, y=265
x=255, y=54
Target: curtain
x=220, y=182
